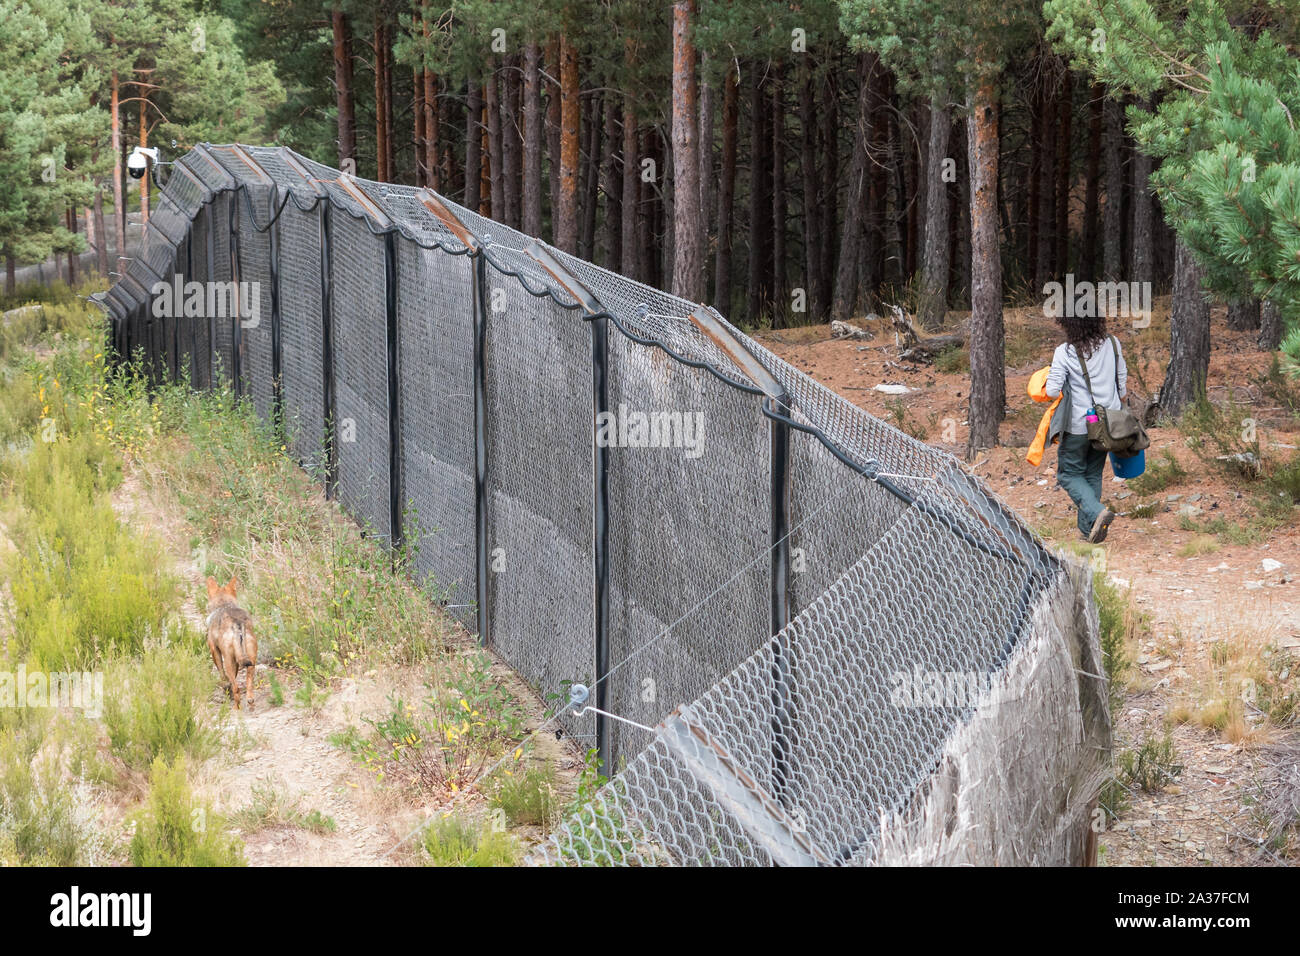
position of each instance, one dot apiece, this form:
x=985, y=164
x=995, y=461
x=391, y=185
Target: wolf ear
x=232, y=584
x=213, y=588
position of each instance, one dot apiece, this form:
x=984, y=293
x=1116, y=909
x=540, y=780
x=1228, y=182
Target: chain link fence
x=801, y=636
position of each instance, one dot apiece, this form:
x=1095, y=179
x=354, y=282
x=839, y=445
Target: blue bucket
x=1128, y=466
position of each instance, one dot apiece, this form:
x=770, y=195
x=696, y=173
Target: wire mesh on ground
x=807, y=637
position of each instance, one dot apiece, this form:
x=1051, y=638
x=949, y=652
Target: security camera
x=136, y=163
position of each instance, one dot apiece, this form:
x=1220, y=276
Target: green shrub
x=1119, y=624
x=83, y=586
x=174, y=830
x=1161, y=472
x=528, y=797
x=155, y=705
x=952, y=361
x=454, y=841
x=42, y=820
x=1153, y=766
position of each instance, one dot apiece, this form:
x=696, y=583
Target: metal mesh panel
x=361, y=372
x=436, y=380
x=300, y=334
x=539, y=421
x=825, y=744
x=221, y=318
x=849, y=732
x=202, y=324
x=255, y=210
x=689, y=486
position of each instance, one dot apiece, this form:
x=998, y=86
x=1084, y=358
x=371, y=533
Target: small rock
x=1196, y=497
x=1189, y=511
x=1269, y=565
x=1173, y=498
x=1124, y=494
x=892, y=389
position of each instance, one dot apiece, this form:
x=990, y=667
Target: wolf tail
x=245, y=659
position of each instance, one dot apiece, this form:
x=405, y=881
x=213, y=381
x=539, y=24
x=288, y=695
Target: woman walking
x=1078, y=465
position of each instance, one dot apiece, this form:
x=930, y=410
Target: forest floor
x=1204, y=557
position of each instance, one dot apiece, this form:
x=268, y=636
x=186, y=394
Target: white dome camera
x=137, y=162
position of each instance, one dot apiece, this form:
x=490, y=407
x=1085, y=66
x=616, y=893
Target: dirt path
x=1197, y=604
x=284, y=751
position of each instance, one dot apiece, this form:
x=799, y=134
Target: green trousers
x=1078, y=470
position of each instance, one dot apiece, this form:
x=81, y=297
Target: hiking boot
x=1099, y=526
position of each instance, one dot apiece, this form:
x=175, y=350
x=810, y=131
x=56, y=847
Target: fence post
x=599, y=322
x=348, y=185
x=478, y=305
x=236, y=336
x=273, y=241
x=323, y=232
x=277, y=385
x=205, y=196
x=776, y=399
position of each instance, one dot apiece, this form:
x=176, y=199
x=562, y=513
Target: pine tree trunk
x=511, y=143
x=1113, y=213
x=1035, y=197
x=119, y=196
x=629, y=259
x=94, y=240
x=144, y=180
x=1064, y=172
x=727, y=189
x=708, y=187
x=590, y=196
x=381, y=140
x=73, y=257
x=988, y=391
x=1270, y=326
x=492, y=102
x=473, y=140
x=934, y=278
x=1189, y=337
x=390, y=115
x=760, y=201
x=419, y=130
x=1140, y=256
x=780, y=279
x=611, y=184
x=553, y=132
x=1244, y=314
x=844, y=300
x=343, y=90
x=532, y=197
x=1044, y=255
x=566, y=232
x=812, y=235
x=101, y=234
x=828, y=189
x=432, y=133
x=1088, y=255
x=688, y=245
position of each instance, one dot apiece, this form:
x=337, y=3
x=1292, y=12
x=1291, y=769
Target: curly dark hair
x=1085, y=334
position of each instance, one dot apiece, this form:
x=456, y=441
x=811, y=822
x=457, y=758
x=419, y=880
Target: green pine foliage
x=1227, y=82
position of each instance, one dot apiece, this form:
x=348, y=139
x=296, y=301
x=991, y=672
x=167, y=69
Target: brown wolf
x=230, y=638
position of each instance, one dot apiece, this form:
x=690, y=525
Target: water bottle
x=1091, y=416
